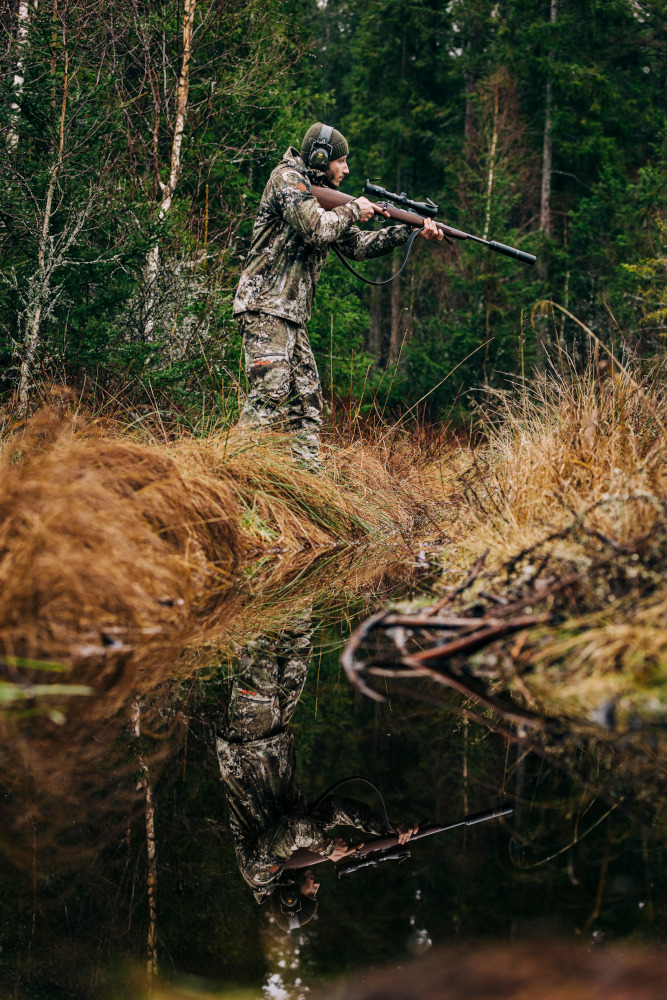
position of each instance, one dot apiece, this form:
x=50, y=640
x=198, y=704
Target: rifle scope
x=424, y=208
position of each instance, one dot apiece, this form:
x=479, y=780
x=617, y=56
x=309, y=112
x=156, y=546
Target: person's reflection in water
x=268, y=813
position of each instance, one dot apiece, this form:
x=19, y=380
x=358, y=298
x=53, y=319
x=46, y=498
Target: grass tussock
x=111, y=543
x=129, y=564
x=567, y=502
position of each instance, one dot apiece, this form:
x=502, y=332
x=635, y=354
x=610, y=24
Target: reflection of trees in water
x=87, y=767
x=208, y=926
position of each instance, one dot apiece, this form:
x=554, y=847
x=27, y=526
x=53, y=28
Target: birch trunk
x=492, y=163
x=167, y=189
x=41, y=283
x=151, y=879
x=22, y=28
x=151, y=876
x=545, y=200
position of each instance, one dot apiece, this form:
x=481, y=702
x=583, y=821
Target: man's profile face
x=309, y=886
x=338, y=169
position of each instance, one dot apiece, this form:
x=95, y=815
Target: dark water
x=582, y=856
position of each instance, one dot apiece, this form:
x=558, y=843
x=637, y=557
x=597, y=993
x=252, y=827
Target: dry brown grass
x=134, y=563
x=102, y=533
x=572, y=484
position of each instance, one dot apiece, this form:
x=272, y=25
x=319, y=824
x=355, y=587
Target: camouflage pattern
x=291, y=239
x=269, y=817
x=283, y=384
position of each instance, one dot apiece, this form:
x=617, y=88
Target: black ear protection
x=321, y=149
x=290, y=904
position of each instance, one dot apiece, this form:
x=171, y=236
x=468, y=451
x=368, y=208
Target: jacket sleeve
x=336, y=811
x=359, y=245
x=281, y=841
x=293, y=200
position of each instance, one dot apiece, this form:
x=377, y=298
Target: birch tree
x=56, y=174
x=168, y=187
x=22, y=30
x=199, y=94
x=547, y=150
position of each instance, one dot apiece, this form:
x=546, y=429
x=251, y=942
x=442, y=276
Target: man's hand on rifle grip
x=368, y=209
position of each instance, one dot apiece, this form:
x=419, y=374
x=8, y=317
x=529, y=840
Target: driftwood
x=469, y=634
x=441, y=641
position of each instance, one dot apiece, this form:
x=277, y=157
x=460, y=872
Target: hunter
x=291, y=238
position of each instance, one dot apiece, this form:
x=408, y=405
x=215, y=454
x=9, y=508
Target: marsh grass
x=107, y=534
x=571, y=485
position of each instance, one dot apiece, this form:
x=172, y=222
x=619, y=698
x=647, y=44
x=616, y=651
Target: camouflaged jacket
x=269, y=817
x=291, y=239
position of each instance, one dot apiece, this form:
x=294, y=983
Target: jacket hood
x=291, y=158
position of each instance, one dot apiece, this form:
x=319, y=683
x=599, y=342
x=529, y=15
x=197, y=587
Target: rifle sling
x=357, y=777
x=406, y=254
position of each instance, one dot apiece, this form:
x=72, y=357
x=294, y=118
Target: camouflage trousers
x=273, y=673
x=284, y=390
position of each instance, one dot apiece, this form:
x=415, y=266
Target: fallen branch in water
x=471, y=634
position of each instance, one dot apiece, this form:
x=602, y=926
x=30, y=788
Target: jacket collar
x=292, y=158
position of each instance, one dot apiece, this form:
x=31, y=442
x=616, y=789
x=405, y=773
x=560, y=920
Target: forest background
x=137, y=138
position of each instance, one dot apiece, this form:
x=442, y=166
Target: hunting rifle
x=330, y=198
x=387, y=848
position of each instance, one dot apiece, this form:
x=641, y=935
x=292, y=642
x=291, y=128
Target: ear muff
x=321, y=149
x=290, y=904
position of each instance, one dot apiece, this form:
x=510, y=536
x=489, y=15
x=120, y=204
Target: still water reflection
x=125, y=845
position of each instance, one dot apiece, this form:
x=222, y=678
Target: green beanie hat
x=338, y=142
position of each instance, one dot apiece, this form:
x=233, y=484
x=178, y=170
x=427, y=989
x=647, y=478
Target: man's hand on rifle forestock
x=405, y=830
x=430, y=232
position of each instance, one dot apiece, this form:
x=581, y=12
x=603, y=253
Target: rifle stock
x=328, y=199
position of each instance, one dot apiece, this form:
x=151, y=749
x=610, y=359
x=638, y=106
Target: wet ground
x=119, y=854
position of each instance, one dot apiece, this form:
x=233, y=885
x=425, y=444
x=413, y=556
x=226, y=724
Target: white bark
x=151, y=879
x=151, y=874
x=47, y=261
x=492, y=162
x=547, y=151
x=167, y=189
x=23, y=25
